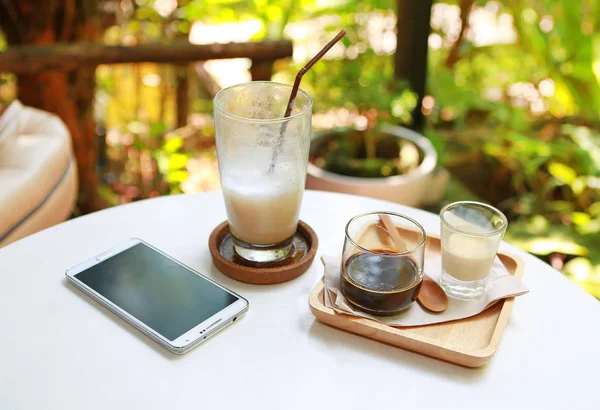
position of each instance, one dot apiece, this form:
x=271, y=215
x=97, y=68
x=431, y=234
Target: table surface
x=60, y=350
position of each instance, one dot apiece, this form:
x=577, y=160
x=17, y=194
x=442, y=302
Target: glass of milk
x=262, y=164
x=471, y=233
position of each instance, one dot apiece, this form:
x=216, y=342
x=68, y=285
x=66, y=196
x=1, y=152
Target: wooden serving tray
x=469, y=342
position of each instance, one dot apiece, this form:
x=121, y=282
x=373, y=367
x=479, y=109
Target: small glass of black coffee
x=379, y=275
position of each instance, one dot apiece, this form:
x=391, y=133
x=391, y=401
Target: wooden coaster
x=226, y=260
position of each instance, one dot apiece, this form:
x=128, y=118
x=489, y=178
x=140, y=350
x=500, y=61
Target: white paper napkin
x=500, y=285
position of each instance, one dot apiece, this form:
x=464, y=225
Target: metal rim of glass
x=263, y=120
x=479, y=204
x=393, y=255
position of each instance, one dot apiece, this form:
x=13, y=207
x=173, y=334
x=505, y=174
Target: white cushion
x=32, y=166
x=9, y=124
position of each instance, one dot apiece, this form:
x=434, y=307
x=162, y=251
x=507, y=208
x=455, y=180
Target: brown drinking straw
x=294, y=92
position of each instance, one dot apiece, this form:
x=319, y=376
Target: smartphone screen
x=156, y=290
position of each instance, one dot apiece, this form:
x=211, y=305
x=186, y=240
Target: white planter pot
x=422, y=186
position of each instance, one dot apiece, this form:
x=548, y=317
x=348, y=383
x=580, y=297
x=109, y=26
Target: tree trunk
x=411, y=51
x=465, y=12
x=68, y=94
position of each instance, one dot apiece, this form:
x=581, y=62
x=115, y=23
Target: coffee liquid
x=380, y=284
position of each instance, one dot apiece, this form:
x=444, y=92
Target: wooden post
x=411, y=51
x=182, y=95
x=261, y=70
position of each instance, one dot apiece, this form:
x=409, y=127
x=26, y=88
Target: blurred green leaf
x=588, y=142
x=594, y=209
x=562, y=172
x=173, y=144
x=158, y=129
x=560, y=206
x=178, y=161
x=108, y=195
x=177, y=176
x=590, y=228
x=438, y=143
x=580, y=218
x=162, y=161
x=540, y=237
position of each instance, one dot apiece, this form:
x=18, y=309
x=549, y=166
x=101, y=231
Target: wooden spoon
x=431, y=296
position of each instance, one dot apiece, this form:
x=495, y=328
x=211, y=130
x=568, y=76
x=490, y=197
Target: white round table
x=60, y=350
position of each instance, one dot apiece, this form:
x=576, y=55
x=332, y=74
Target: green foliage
x=537, y=235
x=363, y=84
x=546, y=165
x=363, y=79
x=172, y=162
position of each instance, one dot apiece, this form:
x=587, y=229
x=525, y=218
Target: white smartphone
x=164, y=299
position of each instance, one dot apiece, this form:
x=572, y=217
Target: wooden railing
x=41, y=72
x=28, y=59
x=67, y=57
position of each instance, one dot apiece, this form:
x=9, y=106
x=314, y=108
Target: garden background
x=511, y=102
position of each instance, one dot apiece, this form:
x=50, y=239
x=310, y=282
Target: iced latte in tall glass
x=262, y=162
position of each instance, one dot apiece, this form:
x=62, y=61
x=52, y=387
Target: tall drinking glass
x=262, y=163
